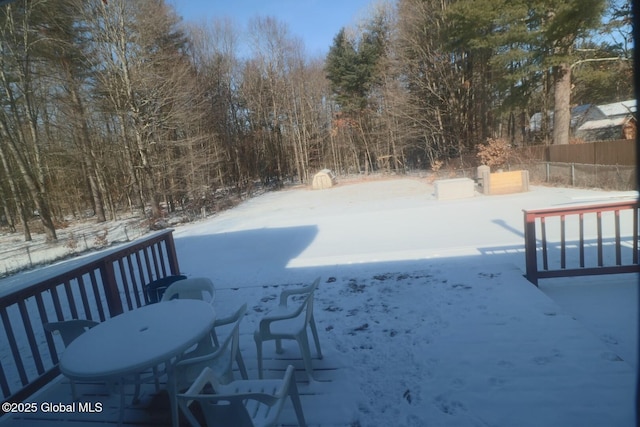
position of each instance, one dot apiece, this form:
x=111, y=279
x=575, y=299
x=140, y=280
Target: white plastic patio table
x=137, y=340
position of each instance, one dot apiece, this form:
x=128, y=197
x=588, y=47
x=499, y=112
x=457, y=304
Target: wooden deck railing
x=581, y=240
x=102, y=287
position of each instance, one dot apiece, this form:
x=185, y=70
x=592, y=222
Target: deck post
x=110, y=286
x=531, y=258
x=172, y=255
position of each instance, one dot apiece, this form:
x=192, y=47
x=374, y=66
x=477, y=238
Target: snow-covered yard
x=425, y=303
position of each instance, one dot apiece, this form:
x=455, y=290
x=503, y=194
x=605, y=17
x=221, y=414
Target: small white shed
x=323, y=179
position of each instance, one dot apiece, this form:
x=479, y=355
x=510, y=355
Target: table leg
x=122, y=403
x=136, y=394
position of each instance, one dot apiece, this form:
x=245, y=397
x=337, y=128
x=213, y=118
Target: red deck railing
x=102, y=287
x=583, y=240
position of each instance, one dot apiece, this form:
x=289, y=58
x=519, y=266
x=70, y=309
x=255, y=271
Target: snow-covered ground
x=77, y=237
x=425, y=302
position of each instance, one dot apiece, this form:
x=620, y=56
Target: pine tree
x=565, y=22
x=346, y=73
x=522, y=39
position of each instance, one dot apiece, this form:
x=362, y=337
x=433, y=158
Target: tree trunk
x=137, y=192
x=562, y=104
x=13, y=187
x=36, y=193
x=84, y=144
x=9, y=215
x=23, y=220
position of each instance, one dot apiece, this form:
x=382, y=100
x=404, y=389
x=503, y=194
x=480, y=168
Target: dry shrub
x=494, y=153
x=60, y=224
x=101, y=240
x=72, y=242
x=36, y=227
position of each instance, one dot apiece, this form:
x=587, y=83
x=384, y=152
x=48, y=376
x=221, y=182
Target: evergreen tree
x=352, y=66
x=522, y=39
x=604, y=70
x=346, y=73
x=565, y=22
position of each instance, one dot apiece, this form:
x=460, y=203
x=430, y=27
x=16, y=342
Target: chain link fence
x=17, y=255
x=605, y=177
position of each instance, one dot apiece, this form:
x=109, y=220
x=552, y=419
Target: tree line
x=118, y=105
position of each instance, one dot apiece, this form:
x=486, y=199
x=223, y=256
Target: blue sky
x=316, y=22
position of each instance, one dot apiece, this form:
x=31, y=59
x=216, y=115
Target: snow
x=426, y=302
x=619, y=108
x=603, y=123
x=74, y=238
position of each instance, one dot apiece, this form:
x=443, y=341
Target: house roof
x=604, y=123
x=617, y=109
x=578, y=115
x=596, y=116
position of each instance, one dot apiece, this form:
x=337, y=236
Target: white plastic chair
x=243, y=403
x=155, y=289
x=194, y=288
x=286, y=323
x=69, y=329
x=220, y=359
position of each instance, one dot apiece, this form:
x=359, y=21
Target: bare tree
x=214, y=159
x=267, y=95
x=139, y=52
x=434, y=112
x=20, y=136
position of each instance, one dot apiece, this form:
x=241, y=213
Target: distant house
x=619, y=123
x=595, y=122
x=579, y=115
x=619, y=109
